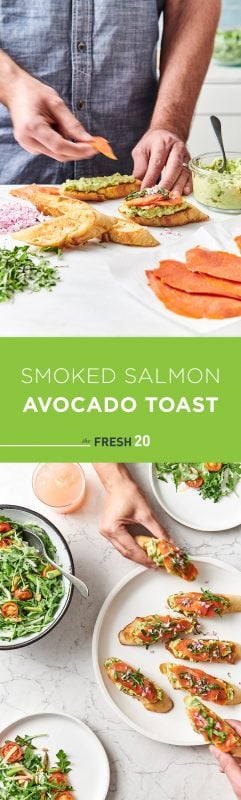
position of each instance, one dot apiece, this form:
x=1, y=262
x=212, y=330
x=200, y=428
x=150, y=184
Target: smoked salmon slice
x=196, y=306
x=214, y=262
x=176, y=274
x=155, y=200
x=103, y=146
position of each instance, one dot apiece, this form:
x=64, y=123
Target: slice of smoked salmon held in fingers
x=214, y=262
x=238, y=242
x=195, y=306
x=103, y=146
x=176, y=274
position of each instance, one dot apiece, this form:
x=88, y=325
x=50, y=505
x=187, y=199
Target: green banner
x=120, y=399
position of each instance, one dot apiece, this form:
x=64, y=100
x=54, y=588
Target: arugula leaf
x=50, y=249
x=62, y=762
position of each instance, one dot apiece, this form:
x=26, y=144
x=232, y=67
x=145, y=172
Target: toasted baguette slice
x=27, y=189
x=214, y=651
x=125, y=232
x=49, y=234
x=60, y=232
x=166, y=554
x=66, y=231
x=204, y=603
x=136, y=688
x=189, y=214
x=210, y=726
x=202, y=684
x=144, y=631
x=106, y=193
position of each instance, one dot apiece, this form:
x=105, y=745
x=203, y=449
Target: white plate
x=130, y=273
x=90, y=774
x=63, y=556
x=144, y=592
x=188, y=507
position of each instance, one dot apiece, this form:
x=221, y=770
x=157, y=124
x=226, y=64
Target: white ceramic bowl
x=63, y=556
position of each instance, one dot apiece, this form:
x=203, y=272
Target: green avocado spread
x=154, y=211
x=95, y=184
x=221, y=190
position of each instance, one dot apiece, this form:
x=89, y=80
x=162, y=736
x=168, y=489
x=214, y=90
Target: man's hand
x=157, y=151
x=126, y=505
x=229, y=765
x=42, y=123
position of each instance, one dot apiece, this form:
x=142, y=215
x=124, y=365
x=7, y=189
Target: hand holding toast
x=126, y=505
x=229, y=765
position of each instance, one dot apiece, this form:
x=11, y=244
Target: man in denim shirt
x=73, y=68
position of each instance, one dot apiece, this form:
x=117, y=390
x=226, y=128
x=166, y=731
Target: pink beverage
x=60, y=486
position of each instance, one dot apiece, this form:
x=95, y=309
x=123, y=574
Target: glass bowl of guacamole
x=220, y=191
x=227, y=47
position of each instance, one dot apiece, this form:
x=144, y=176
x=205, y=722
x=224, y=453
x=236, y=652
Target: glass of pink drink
x=60, y=486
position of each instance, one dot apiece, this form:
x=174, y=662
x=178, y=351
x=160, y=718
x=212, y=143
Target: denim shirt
x=98, y=56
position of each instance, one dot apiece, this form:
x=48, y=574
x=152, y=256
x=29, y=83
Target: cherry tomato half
x=195, y=484
x=5, y=542
x=11, y=752
x=9, y=610
x=59, y=778
x=64, y=796
x=22, y=594
x=5, y=527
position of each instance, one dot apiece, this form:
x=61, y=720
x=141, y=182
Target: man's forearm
x=9, y=72
x=187, y=45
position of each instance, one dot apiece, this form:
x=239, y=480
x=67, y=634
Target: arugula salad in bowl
x=33, y=594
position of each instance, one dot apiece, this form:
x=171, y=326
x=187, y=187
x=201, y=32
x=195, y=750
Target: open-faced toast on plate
x=204, y=604
x=202, y=684
x=205, y=650
x=144, y=631
x=131, y=681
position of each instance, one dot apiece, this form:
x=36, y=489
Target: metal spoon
x=218, y=130
x=34, y=541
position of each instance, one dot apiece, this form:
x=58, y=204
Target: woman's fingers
x=153, y=525
x=126, y=545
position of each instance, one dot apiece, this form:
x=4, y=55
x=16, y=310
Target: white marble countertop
x=56, y=673
x=88, y=301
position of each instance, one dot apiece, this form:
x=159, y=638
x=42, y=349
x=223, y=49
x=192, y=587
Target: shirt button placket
x=80, y=46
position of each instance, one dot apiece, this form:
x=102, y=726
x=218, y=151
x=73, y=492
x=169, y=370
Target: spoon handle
x=77, y=582
x=218, y=131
